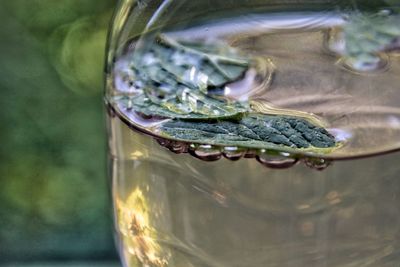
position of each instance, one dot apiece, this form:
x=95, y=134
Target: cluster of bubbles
x=270, y=159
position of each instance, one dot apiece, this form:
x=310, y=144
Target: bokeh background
x=54, y=200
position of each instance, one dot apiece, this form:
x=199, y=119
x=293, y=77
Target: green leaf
x=281, y=133
x=169, y=63
x=368, y=34
x=209, y=108
x=200, y=64
x=174, y=79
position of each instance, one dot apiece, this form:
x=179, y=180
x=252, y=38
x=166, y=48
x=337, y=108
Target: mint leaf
x=176, y=80
x=169, y=63
x=210, y=65
x=173, y=79
x=368, y=34
x=253, y=131
x=173, y=108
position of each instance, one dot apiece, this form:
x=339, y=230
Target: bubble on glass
x=276, y=161
x=233, y=153
x=205, y=152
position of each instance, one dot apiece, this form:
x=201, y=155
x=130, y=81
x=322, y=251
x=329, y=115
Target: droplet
x=174, y=146
x=162, y=141
x=318, y=164
x=232, y=153
x=205, y=152
x=276, y=161
x=178, y=147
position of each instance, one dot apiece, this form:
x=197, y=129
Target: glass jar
x=255, y=133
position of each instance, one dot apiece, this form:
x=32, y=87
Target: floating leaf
x=211, y=108
x=210, y=65
x=368, y=34
x=170, y=63
x=253, y=131
x=172, y=79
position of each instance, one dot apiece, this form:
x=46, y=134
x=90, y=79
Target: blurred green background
x=54, y=202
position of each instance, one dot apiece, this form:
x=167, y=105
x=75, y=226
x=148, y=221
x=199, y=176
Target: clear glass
x=206, y=202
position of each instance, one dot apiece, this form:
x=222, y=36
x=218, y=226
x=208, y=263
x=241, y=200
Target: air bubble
x=276, y=161
x=178, y=147
x=205, y=152
x=162, y=142
x=232, y=153
x=174, y=146
x=318, y=164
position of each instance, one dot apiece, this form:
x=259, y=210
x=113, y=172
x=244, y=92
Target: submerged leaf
x=253, y=131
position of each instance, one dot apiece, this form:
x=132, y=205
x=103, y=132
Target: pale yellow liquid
x=178, y=211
